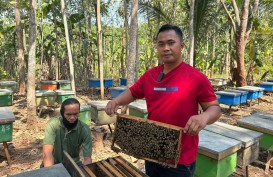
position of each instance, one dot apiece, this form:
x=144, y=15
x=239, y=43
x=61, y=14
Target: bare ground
x=26, y=146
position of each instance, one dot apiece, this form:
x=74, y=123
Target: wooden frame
x=168, y=136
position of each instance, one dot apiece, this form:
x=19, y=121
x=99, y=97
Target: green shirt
x=70, y=141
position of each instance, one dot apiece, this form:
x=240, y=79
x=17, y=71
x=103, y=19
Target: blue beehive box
x=122, y=81
x=243, y=96
x=229, y=98
x=260, y=90
x=252, y=92
x=268, y=86
x=115, y=91
x=270, y=80
x=108, y=82
x=96, y=82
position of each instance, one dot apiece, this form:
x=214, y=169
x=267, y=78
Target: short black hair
x=68, y=101
x=168, y=27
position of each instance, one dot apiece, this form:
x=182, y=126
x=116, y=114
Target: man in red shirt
x=173, y=91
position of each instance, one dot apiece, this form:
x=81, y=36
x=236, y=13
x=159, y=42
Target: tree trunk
x=124, y=50
x=100, y=55
x=213, y=53
x=71, y=65
x=21, y=51
x=191, y=24
x=240, y=43
x=31, y=104
x=57, y=61
x=133, y=44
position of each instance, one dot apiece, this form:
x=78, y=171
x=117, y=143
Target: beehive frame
x=146, y=139
x=113, y=167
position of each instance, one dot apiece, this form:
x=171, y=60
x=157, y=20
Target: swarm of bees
x=148, y=140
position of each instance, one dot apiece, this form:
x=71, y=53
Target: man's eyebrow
x=170, y=40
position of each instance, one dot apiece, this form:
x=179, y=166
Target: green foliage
x=3, y=73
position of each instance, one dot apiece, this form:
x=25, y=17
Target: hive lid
x=266, y=83
x=48, y=82
x=93, y=79
x=45, y=93
x=85, y=108
x=6, y=115
x=107, y=79
x=64, y=81
x=228, y=93
x=118, y=88
x=247, y=89
x=139, y=105
x=65, y=92
x=8, y=83
x=5, y=92
x=243, y=92
x=99, y=105
x=253, y=87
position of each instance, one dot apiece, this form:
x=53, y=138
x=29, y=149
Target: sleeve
x=87, y=143
x=137, y=88
x=205, y=92
x=50, y=134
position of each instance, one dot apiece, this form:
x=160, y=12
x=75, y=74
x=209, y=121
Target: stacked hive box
x=6, y=97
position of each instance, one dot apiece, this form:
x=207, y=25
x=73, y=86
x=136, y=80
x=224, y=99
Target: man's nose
x=166, y=47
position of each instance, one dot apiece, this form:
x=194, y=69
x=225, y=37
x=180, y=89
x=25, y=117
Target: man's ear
x=182, y=45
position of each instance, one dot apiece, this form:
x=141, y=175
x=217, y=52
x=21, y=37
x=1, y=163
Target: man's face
x=169, y=46
x=71, y=112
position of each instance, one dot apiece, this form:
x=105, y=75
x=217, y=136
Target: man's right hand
x=111, y=107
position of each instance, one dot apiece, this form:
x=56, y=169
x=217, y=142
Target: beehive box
x=64, y=94
x=98, y=115
x=45, y=97
x=268, y=86
x=6, y=97
x=64, y=85
x=116, y=166
x=260, y=90
x=11, y=85
x=6, y=124
x=96, y=82
x=229, y=98
x=85, y=114
x=147, y=139
x=218, y=81
x=243, y=96
x=252, y=92
x=138, y=108
x=48, y=85
x=122, y=81
x=116, y=91
x=270, y=80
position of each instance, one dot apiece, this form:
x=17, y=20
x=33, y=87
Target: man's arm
x=211, y=113
x=48, y=158
x=121, y=100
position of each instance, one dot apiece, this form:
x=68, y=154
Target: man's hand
x=111, y=107
x=195, y=124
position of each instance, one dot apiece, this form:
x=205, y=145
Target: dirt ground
x=26, y=146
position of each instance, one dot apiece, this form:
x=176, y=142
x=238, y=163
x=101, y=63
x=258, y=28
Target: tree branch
x=254, y=14
x=229, y=16
x=236, y=11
